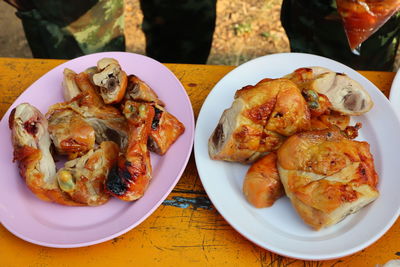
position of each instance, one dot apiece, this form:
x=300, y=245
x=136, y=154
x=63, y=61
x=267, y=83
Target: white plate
x=395, y=93
x=279, y=229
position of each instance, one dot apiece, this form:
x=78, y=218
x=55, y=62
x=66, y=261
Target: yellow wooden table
x=174, y=235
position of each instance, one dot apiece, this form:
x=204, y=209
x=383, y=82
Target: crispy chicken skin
x=111, y=79
x=165, y=130
x=70, y=134
x=83, y=178
x=258, y=121
x=130, y=177
x=345, y=94
x=31, y=143
x=138, y=90
x=326, y=176
x=108, y=122
x=262, y=185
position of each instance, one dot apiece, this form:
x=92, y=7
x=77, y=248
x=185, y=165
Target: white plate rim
x=394, y=95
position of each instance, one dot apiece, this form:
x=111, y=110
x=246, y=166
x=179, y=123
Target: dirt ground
x=245, y=29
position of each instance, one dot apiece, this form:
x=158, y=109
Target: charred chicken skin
x=83, y=179
x=130, y=177
x=138, y=90
x=31, y=142
x=165, y=130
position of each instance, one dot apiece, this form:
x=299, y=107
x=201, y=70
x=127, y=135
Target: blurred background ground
x=245, y=29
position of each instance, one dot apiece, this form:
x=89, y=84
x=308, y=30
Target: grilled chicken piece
x=138, y=90
x=108, y=122
x=328, y=121
x=70, y=134
x=327, y=176
x=70, y=88
x=345, y=94
x=129, y=179
x=31, y=143
x=335, y=121
x=83, y=179
x=262, y=185
x=258, y=121
x=111, y=79
x=165, y=130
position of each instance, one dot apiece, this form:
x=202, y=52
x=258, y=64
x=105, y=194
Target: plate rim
x=235, y=225
x=184, y=160
x=394, y=96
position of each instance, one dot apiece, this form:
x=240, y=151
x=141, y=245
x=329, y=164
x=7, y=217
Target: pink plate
x=54, y=225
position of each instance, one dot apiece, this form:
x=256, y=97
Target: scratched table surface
x=186, y=229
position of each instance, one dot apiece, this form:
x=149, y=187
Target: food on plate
x=335, y=120
x=295, y=131
x=108, y=122
x=70, y=88
x=138, y=90
x=107, y=146
x=327, y=121
x=83, y=179
x=258, y=121
x=31, y=143
x=111, y=79
x=165, y=130
x=326, y=176
x=346, y=96
x=70, y=133
x=130, y=177
x=262, y=185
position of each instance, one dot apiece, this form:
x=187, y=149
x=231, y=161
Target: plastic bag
x=361, y=18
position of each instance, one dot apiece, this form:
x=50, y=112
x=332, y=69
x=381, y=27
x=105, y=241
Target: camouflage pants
x=314, y=26
x=67, y=29
x=176, y=30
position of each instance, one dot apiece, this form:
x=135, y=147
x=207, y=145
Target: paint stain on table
x=186, y=202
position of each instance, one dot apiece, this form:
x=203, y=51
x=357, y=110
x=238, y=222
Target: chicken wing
x=138, y=90
x=165, y=130
x=31, y=143
x=130, y=177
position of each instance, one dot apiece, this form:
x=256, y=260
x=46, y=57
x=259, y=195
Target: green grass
x=242, y=28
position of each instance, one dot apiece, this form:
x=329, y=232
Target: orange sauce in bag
x=361, y=18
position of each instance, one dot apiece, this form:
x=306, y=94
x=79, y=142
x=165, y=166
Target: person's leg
x=179, y=31
x=68, y=29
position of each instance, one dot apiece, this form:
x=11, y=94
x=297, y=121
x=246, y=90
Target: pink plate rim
x=18, y=203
